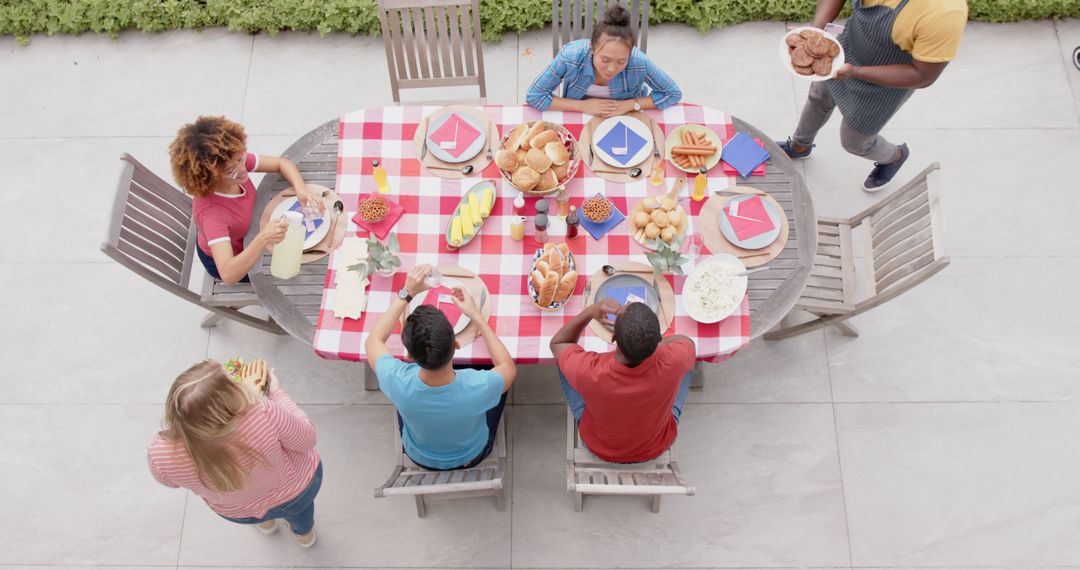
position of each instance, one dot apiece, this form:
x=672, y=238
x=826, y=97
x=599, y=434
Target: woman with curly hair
x=252, y=459
x=605, y=75
x=210, y=161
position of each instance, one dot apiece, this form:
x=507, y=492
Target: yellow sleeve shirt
x=930, y=30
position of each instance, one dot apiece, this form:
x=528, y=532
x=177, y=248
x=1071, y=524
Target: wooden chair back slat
x=145, y=218
x=432, y=43
x=139, y=251
x=575, y=19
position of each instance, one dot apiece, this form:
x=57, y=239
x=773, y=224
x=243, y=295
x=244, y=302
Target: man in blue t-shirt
x=447, y=417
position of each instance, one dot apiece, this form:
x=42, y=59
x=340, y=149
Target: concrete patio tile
x=354, y=530
x=137, y=85
x=534, y=55
x=104, y=335
x=300, y=80
x=740, y=72
x=76, y=477
x=795, y=371
x=977, y=220
x=308, y=378
x=80, y=193
x=961, y=484
x=768, y=493
x=1068, y=33
x=942, y=341
x=1005, y=76
x=537, y=384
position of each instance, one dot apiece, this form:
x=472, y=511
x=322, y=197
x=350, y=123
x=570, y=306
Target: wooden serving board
x=332, y=239
x=479, y=291
x=479, y=162
x=614, y=173
x=709, y=227
x=665, y=291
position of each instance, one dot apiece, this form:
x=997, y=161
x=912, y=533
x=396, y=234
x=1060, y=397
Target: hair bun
x=616, y=15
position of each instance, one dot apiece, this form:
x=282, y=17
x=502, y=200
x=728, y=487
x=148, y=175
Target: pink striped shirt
x=278, y=431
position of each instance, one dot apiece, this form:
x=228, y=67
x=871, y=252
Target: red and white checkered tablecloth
x=503, y=264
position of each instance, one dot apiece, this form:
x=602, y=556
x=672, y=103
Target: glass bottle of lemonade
x=285, y=260
x=379, y=173
x=701, y=183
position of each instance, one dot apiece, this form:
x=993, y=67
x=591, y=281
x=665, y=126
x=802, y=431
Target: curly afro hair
x=429, y=337
x=637, y=333
x=203, y=151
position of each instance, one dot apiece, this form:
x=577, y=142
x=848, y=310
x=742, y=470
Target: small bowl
x=383, y=217
x=605, y=220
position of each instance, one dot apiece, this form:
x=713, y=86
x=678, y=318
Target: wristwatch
x=404, y=295
x=637, y=106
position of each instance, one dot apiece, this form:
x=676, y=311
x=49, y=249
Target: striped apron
x=867, y=41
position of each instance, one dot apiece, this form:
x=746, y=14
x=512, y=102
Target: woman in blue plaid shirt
x=605, y=75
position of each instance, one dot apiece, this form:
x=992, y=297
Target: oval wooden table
x=294, y=303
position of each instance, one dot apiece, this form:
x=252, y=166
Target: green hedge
x=23, y=18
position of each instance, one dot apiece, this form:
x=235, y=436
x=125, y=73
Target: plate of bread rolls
x=538, y=157
x=692, y=147
x=553, y=277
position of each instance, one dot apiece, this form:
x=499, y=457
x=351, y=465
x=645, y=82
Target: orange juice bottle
x=701, y=183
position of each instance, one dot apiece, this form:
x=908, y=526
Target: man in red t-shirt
x=626, y=402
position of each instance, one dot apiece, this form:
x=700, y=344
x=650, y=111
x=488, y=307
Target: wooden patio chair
x=433, y=43
x=573, y=20
x=151, y=233
x=484, y=479
x=587, y=474
x=905, y=239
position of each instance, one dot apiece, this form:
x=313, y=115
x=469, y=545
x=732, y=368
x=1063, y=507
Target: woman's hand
x=415, y=279
x=309, y=199
x=625, y=106
x=600, y=107
x=274, y=231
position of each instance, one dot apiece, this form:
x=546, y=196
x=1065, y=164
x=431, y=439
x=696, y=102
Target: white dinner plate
x=759, y=241
x=418, y=300
x=785, y=55
x=690, y=301
x=470, y=152
x=633, y=125
x=322, y=225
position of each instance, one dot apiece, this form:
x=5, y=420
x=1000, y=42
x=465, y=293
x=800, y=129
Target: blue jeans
x=211, y=266
x=299, y=512
x=577, y=403
x=491, y=417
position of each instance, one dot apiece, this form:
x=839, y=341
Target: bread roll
x=557, y=152
x=547, y=290
x=537, y=160
x=542, y=139
x=542, y=266
x=668, y=203
x=537, y=281
x=525, y=178
x=667, y=234
x=507, y=160
x=651, y=231
x=564, y=249
x=518, y=137
x=566, y=286
x=641, y=219
x=675, y=217
x=548, y=247
x=537, y=128
x=649, y=204
x=660, y=218
x=555, y=261
x=561, y=170
x=548, y=180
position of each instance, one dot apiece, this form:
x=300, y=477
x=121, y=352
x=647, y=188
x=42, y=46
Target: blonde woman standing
x=251, y=459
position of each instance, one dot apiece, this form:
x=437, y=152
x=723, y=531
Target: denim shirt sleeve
x=665, y=92
x=542, y=90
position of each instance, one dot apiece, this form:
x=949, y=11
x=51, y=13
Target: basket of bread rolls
x=553, y=277
x=538, y=157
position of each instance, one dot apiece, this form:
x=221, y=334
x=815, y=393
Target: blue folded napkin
x=596, y=230
x=620, y=294
x=743, y=154
x=297, y=207
x=620, y=136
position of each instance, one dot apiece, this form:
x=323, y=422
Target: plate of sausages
x=693, y=147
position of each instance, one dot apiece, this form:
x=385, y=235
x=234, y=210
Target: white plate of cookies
x=553, y=277
x=538, y=157
x=810, y=53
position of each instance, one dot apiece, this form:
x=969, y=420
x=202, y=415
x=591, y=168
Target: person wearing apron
x=891, y=48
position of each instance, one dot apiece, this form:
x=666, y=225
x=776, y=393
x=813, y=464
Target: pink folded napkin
x=381, y=228
x=754, y=209
x=452, y=312
x=455, y=129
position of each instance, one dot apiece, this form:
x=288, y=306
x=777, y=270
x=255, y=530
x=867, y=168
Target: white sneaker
x=268, y=527
x=306, y=540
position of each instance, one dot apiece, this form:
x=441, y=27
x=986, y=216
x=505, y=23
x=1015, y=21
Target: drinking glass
x=433, y=279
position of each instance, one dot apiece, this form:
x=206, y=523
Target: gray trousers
x=819, y=107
